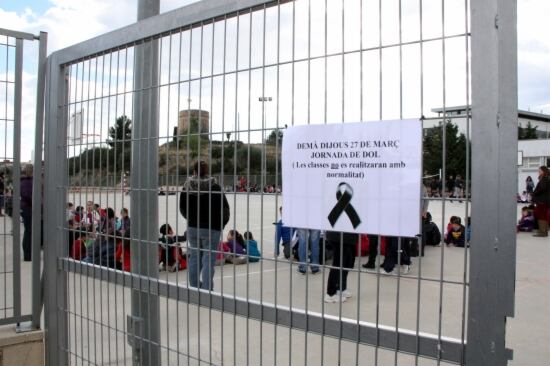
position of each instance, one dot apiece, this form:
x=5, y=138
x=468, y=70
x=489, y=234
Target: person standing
x=529, y=187
x=450, y=187
x=541, y=199
x=396, y=255
x=26, y=211
x=459, y=187
x=204, y=205
x=373, y=252
x=1, y=194
x=282, y=234
x=343, y=246
x=308, y=239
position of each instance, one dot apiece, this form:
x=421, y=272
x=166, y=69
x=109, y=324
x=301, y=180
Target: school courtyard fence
x=254, y=66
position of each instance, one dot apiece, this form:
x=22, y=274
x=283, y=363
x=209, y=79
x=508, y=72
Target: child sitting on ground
x=527, y=221
x=170, y=254
x=252, y=247
x=78, y=249
x=456, y=233
x=235, y=243
x=122, y=255
x=430, y=232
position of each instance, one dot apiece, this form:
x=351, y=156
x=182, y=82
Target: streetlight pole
x=264, y=100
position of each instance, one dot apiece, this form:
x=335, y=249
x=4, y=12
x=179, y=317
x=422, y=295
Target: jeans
x=306, y=236
x=26, y=214
x=202, y=256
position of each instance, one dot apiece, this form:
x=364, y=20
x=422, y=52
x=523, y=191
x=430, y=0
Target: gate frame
x=494, y=180
x=492, y=264
x=36, y=290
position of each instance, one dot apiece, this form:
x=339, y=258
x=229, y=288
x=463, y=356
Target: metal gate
x=219, y=81
x=11, y=94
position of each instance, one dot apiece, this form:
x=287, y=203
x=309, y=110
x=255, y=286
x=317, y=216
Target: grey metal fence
x=14, y=211
x=231, y=75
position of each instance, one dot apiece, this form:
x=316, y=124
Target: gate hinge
x=496, y=21
x=498, y=119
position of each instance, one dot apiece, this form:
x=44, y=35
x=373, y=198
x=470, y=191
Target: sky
x=72, y=21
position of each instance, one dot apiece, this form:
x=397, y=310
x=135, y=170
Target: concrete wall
x=21, y=349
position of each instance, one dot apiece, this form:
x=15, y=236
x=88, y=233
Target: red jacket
x=126, y=259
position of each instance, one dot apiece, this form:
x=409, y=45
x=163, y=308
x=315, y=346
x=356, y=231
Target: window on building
x=531, y=161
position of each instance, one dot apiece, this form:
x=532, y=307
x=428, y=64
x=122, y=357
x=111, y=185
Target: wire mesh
x=7, y=122
x=11, y=61
x=224, y=91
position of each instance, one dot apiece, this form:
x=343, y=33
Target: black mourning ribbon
x=343, y=205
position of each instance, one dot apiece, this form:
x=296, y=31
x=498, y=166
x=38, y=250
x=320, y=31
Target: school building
x=531, y=153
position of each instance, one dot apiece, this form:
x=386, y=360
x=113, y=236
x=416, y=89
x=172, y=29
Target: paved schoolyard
x=234, y=340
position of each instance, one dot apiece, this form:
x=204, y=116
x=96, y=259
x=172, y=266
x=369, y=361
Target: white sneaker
x=405, y=269
x=334, y=298
x=161, y=266
x=345, y=294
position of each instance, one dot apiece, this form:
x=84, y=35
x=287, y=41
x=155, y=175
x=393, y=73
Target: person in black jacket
x=343, y=246
x=26, y=211
x=205, y=207
x=541, y=199
x=1, y=194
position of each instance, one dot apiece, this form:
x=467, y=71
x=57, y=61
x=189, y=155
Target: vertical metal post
x=494, y=182
x=144, y=199
x=37, y=187
x=17, y=177
x=55, y=279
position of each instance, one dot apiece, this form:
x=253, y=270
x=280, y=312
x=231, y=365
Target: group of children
x=97, y=236
x=238, y=249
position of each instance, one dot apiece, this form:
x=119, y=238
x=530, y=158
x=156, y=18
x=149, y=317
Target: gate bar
x=16, y=172
x=144, y=318
x=55, y=175
x=37, y=239
x=427, y=345
x=18, y=35
x=161, y=24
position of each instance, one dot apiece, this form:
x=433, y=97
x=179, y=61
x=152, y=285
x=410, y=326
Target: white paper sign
x=354, y=177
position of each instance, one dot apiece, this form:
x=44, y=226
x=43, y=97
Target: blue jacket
x=282, y=232
x=253, y=251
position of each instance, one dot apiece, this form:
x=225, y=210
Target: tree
x=455, y=143
x=274, y=136
x=120, y=141
x=528, y=133
x=249, y=154
x=91, y=160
